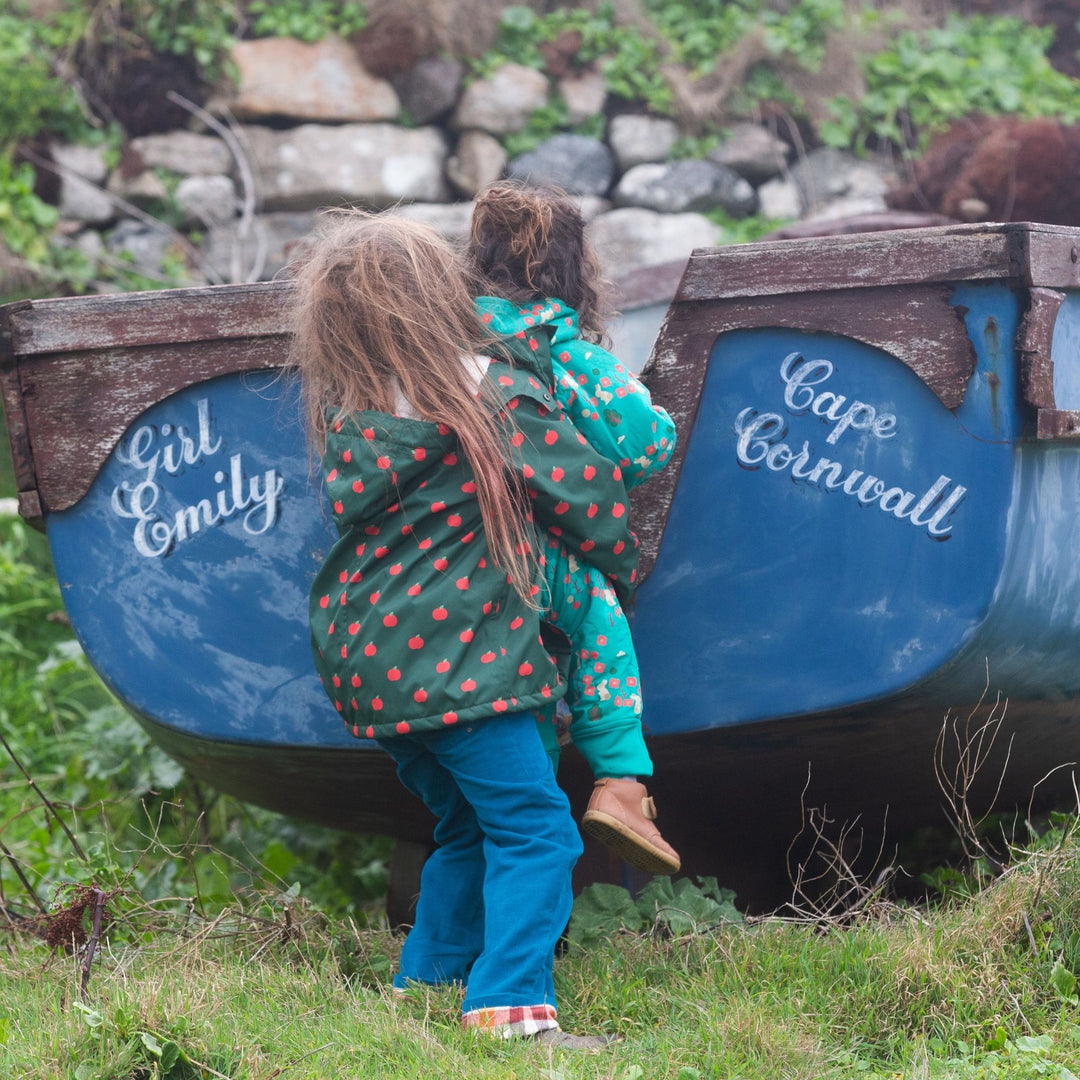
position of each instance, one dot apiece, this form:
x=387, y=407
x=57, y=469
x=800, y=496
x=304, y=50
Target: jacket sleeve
x=613, y=409
x=576, y=493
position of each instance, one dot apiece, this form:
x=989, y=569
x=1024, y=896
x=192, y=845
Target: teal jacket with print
x=607, y=403
x=413, y=627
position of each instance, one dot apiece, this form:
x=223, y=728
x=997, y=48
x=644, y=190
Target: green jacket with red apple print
x=413, y=626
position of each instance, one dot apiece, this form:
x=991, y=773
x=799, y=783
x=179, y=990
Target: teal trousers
x=604, y=693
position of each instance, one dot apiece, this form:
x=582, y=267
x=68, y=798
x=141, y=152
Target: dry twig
x=827, y=887
x=973, y=741
x=231, y=137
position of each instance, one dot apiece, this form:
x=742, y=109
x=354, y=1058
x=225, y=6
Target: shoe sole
x=588, y=1044
x=626, y=843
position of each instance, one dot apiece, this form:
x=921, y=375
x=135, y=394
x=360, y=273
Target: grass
x=975, y=989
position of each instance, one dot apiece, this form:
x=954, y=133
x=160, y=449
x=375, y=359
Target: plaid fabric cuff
x=511, y=1021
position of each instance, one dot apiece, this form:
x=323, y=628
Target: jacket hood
x=389, y=453
x=550, y=320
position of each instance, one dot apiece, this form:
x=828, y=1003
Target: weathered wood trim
x=30, y=510
x=1034, y=345
x=79, y=404
x=1053, y=257
x=814, y=264
x=675, y=375
x=1021, y=252
x=1058, y=424
x=916, y=324
x=130, y=320
x=15, y=418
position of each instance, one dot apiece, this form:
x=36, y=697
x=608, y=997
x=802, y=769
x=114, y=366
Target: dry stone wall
x=306, y=126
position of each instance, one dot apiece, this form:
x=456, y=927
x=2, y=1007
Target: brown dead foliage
x=69, y=926
x=998, y=169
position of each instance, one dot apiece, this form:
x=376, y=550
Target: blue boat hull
x=186, y=567
x=863, y=534
x=857, y=567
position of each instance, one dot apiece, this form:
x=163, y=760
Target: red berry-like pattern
x=395, y=650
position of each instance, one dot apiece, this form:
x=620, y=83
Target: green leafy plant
x=1002, y=1055
x=32, y=98
x=29, y=595
x=742, y=230
x=307, y=20
x=629, y=62
x=632, y=71
x=26, y=223
x=690, y=32
x=764, y=83
x=549, y=120
x=694, y=146
x=203, y=30
x=948, y=882
x=698, y=31
x=155, y=1054
x=800, y=30
x=976, y=64
x=672, y=907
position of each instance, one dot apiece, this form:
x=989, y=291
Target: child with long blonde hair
x=531, y=247
x=440, y=460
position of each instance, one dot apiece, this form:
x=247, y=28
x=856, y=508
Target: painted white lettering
x=939, y=485
x=859, y=417
x=187, y=521
x=896, y=501
x=933, y=526
x=754, y=432
x=944, y=506
x=834, y=469
x=870, y=490
x=798, y=466
x=264, y=501
x=760, y=438
x=779, y=457
x=801, y=375
x=852, y=482
x=171, y=448
x=828, y=405
x=884, y=426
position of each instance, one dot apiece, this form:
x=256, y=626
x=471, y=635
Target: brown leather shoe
x=563, y=1040
x=621, y=815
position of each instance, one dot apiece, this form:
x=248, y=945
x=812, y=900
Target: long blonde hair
x=381, y=305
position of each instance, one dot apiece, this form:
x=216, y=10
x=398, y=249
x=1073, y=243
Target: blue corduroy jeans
x=495, y=894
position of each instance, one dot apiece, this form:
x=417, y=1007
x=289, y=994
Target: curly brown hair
x=381, y=304
x=529, y=242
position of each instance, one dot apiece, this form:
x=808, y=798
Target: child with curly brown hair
x=530, y=248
